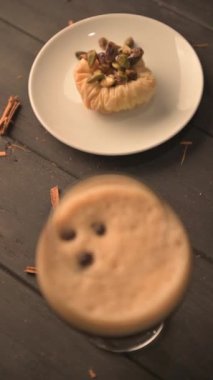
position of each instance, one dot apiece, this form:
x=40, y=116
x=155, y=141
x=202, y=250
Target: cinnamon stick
x=12, y=105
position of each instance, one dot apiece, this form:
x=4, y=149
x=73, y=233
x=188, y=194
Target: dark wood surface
x=34, y=343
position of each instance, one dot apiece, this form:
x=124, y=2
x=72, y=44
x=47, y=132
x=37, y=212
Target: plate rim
x=98, y=152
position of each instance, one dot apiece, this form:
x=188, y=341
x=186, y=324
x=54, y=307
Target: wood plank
x=190, y=183
x=51, y=16
x=26, y=179
x=59, y=12
x=21, y=220
x=200, y=12
x=36, y=345
x=32, y=18
x=35, y=340
x=184, y=351
x=21, y=49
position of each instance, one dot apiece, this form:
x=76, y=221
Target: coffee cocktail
x=113, y=259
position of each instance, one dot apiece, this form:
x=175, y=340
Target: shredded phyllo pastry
x=114, y=79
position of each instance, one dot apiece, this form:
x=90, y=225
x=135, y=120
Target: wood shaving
x=92, y=374
x=70, y=22
x=30, y=270
x=184, y=155
x=205, y=44
x=54, y=196
x=185, y=142
x=16, y=146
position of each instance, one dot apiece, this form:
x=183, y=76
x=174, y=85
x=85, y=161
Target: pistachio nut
x=120, y=78
x=129, y=42
x=122, y=60
x=101, y=58
x=105, y=68
x=131, y=74
x=102, y=43
x=126, y=50
x=91, y=57
x=115, y=65
x=96, y=77
x=108, y=81
x=135, y=56
x=81, y=54
x=111, y=51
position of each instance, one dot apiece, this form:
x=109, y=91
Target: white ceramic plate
x=59, y=108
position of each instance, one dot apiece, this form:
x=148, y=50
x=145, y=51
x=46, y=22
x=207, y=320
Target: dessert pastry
x=115, y=79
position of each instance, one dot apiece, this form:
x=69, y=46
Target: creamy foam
x=113, y=259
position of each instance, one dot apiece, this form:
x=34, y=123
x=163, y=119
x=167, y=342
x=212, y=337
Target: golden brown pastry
x=114, y=80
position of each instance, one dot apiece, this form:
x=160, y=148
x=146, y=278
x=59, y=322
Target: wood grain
x=184, y=351
x=25, y=205
x=42, y=19
x=195, y=10
x=36, y=345
x=189, y=184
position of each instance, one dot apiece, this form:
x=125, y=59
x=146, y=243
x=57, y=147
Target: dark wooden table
x=34, y=343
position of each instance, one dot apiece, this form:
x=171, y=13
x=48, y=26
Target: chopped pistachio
x=98, y=71
x=129, y=42
x=126, y=50
x=101, y=57
x=115, y=65
x=105, y=68
x=96, y=77
x=135, y=56
x=122, y=60
x=108, y=81
x=81, y=54
x=131, y=74
x=102, y=43
x=122, y=74
x=111, y=51
x=120, y=77
x=91, y=57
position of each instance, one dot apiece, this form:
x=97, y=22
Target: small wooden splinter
x=202, y=45
x=30, y=270
x=92, y=374
x=70, y=22
x=186, y=145
x=54, y=196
